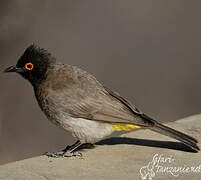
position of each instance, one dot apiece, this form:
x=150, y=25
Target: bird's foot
x=72, y=154
x=69, y=151
x=64, y=154
x=54, y=154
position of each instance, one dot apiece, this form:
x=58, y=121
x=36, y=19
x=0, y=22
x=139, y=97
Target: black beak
x=13, y=69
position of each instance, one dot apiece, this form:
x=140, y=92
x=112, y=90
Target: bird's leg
x=69, y=151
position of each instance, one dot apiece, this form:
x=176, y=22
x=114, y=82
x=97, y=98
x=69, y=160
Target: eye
x=29, y=66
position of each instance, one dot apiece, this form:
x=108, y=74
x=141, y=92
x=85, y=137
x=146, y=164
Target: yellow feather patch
x=125, y=127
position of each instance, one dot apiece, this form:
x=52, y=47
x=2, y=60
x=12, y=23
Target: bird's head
x=33, y=64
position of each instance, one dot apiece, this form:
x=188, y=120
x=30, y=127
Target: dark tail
x=186, y=139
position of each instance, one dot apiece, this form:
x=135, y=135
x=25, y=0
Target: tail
x=186, y=139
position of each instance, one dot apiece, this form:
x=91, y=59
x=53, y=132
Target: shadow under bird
x=74, y=100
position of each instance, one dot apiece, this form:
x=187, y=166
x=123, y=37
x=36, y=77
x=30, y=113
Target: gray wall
x=148, y=51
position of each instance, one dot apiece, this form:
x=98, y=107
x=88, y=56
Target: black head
x=33, y=64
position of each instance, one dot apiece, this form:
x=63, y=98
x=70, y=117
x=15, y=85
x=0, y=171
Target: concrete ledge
x=118, y=158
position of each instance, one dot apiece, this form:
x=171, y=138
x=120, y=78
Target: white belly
x=87, y=131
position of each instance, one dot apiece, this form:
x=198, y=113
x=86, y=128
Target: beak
x=13, y=69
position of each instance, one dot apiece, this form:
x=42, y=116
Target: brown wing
x=86, y=98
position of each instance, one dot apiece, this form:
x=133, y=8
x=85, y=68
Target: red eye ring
x=29, y=66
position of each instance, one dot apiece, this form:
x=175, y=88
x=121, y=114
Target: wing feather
x=86, y=98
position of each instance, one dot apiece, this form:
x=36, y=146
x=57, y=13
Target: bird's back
x=75, y=91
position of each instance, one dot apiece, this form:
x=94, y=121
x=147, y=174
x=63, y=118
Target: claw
x=63, y=154
x=69, y=151
x=54, y=154
x=72, y=154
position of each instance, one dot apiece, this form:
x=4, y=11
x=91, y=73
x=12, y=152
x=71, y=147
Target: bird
x=76, y=101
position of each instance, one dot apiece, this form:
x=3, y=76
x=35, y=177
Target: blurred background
x=148, y=51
